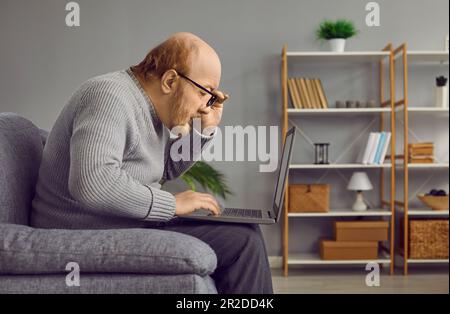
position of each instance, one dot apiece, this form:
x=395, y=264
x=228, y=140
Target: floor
x=325, y=281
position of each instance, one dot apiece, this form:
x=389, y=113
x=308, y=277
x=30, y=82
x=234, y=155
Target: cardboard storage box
x=333, y=250
x=361, y=231
x=307, y=198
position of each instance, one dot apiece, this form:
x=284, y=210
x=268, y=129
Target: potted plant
x=336, y=33
x=208, y=177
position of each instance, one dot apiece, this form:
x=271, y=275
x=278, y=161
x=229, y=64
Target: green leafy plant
x=336, y=29
x=208, y=177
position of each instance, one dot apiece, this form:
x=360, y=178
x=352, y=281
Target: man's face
x=189, y=101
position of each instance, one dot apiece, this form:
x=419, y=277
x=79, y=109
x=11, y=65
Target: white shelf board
x=347, y=56
x=337, y=166
x=427, y=261
x=424, y=212
x=426, y=56
x=399, y=258
x=344, y=213
x=334, y=111
x=424, y=109
x=399, y=166
x=314, y=259
x=433, y=165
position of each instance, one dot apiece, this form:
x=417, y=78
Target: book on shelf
x=323, y=98
x=385, y=148
x=421, y=153
x=315, y=86
x=306, y=93
x=421, y=160
x=296, y=103
x=312, y=94
x=421, y=149
x=367, y=151
x=373, y=149
x=376, y=148
x=301, y=93
x=416, y=145
x=380, y=147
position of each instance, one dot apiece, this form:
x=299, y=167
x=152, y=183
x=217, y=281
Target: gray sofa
x=110, y=261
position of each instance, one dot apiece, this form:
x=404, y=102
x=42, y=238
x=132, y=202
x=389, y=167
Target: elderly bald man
x=109, y=151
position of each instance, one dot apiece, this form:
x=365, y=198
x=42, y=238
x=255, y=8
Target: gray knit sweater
x=105, y=158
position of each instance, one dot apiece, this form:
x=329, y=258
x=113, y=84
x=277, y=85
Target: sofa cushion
x=21, y=145
x=108, y=284
x=25, y=250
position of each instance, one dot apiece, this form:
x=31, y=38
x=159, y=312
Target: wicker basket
x=428, y=239
x=434, y=202
x=304, y=198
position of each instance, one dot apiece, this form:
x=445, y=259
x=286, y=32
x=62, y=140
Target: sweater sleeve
x=101, y=135
x=197, y=143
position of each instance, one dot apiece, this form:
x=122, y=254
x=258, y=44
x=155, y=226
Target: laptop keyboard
x=239, y=212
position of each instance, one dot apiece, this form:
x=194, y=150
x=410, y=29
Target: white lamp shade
x=359, y=182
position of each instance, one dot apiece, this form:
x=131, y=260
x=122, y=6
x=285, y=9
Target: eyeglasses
x=213, y=98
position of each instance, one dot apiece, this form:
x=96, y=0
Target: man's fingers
x=212, y=198
x=215, y=208
x=208, y=201
x=206, y=204
x=221, y=97
x=212, y=204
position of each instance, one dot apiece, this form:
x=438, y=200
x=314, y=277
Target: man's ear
x=169, y=81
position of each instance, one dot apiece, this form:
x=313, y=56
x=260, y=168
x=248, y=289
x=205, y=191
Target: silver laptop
x=258, y=216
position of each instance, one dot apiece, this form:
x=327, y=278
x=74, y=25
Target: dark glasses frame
x=213, y=98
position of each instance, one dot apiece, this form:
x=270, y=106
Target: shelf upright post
x=405, y=204
x=284, y=94
x=391, y=103
x=406, y=153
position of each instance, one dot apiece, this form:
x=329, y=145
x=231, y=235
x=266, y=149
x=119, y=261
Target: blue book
x=380, y=147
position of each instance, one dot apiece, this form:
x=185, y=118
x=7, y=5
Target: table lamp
x=359, y=182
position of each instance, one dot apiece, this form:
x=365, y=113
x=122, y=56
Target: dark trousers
x=242, y=262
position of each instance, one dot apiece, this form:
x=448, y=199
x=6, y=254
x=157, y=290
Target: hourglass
x=321, y=153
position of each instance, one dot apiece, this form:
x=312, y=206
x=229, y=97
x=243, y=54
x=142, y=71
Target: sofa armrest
x=26, y=250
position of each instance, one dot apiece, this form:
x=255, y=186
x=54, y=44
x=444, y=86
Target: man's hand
x=188, y=201
x=211, y=116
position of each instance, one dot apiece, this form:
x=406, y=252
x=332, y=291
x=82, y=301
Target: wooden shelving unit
x=387, y=114
x=402, y=106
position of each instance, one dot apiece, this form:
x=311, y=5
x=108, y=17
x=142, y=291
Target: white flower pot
x=337, y=44
x=442, y=96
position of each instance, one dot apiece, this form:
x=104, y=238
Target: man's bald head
x=191, y=40
x=184, y=52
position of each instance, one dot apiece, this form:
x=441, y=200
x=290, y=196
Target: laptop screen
x=283, y=172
